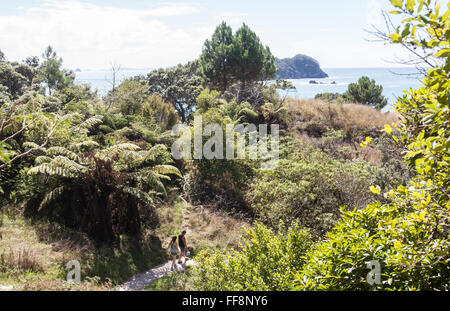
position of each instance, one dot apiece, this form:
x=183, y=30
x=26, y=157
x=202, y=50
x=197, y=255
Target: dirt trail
x=141, y=281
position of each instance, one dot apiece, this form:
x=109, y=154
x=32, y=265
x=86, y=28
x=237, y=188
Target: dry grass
x=206, y=228
x=313, y=121
x=21, y=246
x=22, y=259
x=29, y=262
x=338, y=116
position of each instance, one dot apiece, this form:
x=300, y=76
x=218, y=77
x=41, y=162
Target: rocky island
x=299, y=67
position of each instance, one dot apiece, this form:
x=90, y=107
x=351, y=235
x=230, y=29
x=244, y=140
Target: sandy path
x=140, y=281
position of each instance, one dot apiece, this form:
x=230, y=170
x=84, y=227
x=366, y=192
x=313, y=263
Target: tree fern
x=42, y=159
x=51, y=196
x=84, y=146
x=135, y=159
x=51, y=170
x=139, y=194
x=55, y=151
x=91, y=122
x=167, y=169
x=113, y=151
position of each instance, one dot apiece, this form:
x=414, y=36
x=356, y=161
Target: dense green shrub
x=266, y=260
x=366, y=92
x=223, y=181
x=310, y=188
x=331, y=97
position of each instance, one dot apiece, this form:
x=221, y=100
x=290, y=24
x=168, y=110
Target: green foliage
x=51, y=73
x=366, y=92
x=179, y=86
x=253, y=61
x=266, y=260
x=5, y=152
x=228, y=59
x=410, y=235
x=408, y=239
x=154, y=108
x=208, y=99
x=215, y=62
x=72, y=95
x=12, y=81
x=128, y=97
x=331, y=97
x=309, y=186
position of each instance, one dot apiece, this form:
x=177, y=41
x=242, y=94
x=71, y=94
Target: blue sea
x=101, y=79
x=393, y=80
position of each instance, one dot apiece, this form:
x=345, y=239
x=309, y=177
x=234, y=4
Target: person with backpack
x=174, y=251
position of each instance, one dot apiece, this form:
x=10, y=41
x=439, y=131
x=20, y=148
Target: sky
x=92, y=34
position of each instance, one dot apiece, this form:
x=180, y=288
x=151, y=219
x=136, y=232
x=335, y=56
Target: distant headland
x=299, y=67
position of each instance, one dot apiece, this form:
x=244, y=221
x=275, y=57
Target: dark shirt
x=181, y=241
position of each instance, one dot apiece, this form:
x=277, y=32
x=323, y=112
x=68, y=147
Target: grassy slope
x=33, y=255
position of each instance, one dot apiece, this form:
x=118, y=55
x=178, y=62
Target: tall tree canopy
x=178, y=86
x=251, y=60
x=228, y=59
x=51, y=72
x=215, y=61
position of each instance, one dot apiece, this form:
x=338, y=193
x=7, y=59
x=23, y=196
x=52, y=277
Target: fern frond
x=59, y=166
x=42, y=159
x=91, y=122
x=167, y=170
x=51, y=170
x=85, y=145
x=111, y=152
x=56, y=151
x=51, y=196
x=30, y=145
x=68, y=164
x=106, y=129
x=139, y=194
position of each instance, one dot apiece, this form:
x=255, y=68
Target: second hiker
x=183, y=246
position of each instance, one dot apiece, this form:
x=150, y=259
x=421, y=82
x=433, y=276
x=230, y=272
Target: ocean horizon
x=393, y=80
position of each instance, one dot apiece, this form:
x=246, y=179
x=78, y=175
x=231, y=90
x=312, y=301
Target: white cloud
x=234, y=19
x=91, y=36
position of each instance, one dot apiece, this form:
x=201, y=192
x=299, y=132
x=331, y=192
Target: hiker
x=174, y=251
x=183, y=246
